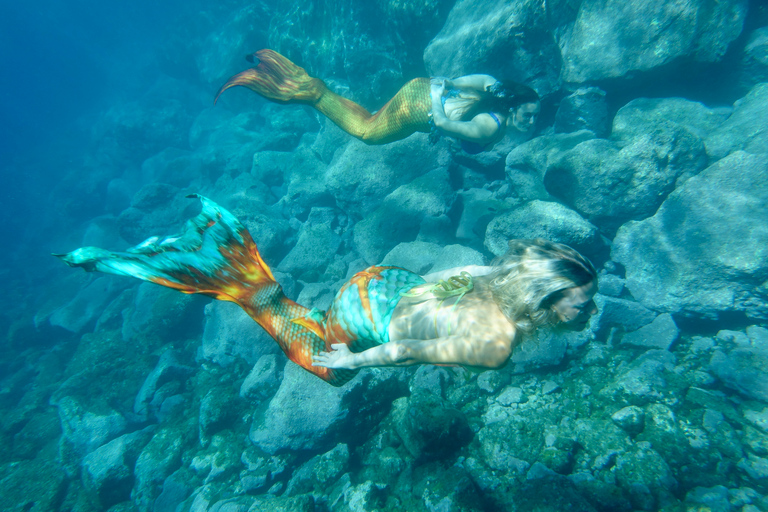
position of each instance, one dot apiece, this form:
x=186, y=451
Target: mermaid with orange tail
x=384, y=316
x=216, y=256
x=476, y=109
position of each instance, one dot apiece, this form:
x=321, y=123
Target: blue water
x=80, y=80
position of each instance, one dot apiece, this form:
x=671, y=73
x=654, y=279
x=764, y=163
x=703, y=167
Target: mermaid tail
x=216, y=256
x=280, y=80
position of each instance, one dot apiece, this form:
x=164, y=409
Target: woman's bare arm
x=461, y=350
x=482, y=128
x=473, y=82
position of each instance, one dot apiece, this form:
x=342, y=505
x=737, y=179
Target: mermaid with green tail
x=383, y=316
x=475, y=109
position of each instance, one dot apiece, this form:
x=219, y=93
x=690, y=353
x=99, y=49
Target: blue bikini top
x=474, y=148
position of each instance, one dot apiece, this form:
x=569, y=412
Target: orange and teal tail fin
x=215, y=256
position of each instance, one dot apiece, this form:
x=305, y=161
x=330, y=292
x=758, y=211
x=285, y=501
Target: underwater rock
x=714, y=499
x=690, y=256
x=543, y=348
x=87, y=305
x=304, y=184
x=230, y=334
x=643, y=381
x=630, y=418
x=540, y=219
x=263, y=379
x=306, y=414
x=584, y=109
x=744, y=369
x=156, y=209
x=754, y=62
x=361, y=177
x=416, y=256
x=433, y=379
x=527, y=163
x=85, y=430
x=745, y=129
x=611, y=312
x=174, y=166
x=107, y=472
x=661, y=333
x=174, y=491
x=218, y=408
x=317, y=244
x=449, y=490
x=643, y=115
x=611, y=285
x=134, y=130
x=429, y=427
x=612, y=39
x=478, y=207
x=163, y=313
x=168, y=368
x=480, y=35
x=36, y=485
x=399, y=217
x=320, y=472
x=455, y=255
x=646, y=477
x=154, y=468
x=610, y=183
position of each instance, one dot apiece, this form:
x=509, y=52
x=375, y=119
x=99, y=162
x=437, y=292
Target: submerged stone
x=689, y=256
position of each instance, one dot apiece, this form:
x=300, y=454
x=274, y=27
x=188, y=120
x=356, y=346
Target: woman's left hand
x=339, y=357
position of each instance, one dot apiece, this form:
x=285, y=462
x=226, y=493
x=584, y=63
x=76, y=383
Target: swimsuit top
x=474, y=148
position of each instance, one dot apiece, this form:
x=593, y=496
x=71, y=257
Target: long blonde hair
x=530, y=277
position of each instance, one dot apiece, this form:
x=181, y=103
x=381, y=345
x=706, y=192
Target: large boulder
x=643, y=115
x=610, y=183
x=479, y=36
x=703, y=252
x=745, y=129
x=230, y=334
x=163, y=313
x=429, y=427
x=611, y=38
x=87, y=305
x=360, y=176
x=400, y=216
x=308, y=415
x=107, y=472
x=541, y=219
x=527, y=164
x=318, y=242
x=754, y=63
x=84, y=430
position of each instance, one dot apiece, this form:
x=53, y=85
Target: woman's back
x=474, y=318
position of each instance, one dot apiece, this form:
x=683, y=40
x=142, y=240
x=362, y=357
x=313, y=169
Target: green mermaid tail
x=216, y=256
x=280, y=80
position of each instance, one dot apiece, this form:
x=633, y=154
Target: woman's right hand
x=339, y=357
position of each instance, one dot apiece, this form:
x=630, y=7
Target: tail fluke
x=277, y=79
x=215, y=255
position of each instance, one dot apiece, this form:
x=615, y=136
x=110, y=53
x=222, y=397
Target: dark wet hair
x=506, y=95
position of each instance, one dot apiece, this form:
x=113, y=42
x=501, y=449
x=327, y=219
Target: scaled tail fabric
x=216, y=256
x=280, y=80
